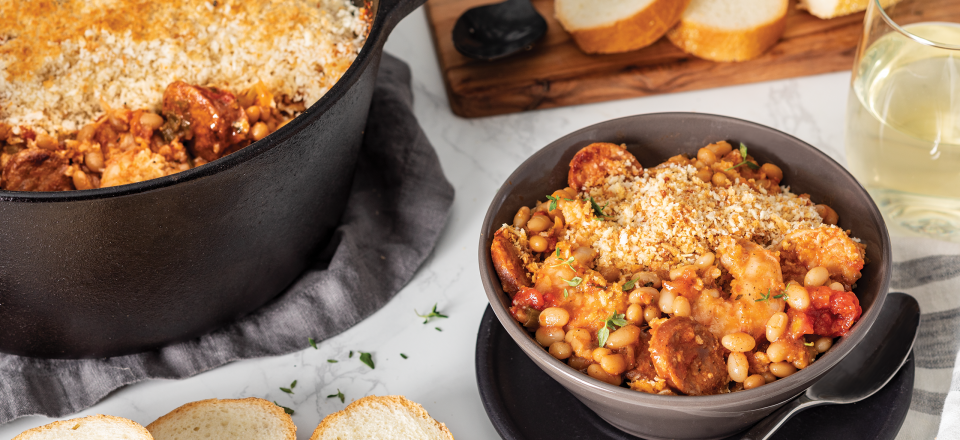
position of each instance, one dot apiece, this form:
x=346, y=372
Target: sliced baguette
x=382, y=418
x=97, y=427
x=613, y=26
x=836, y=8
x=229, y=419
x=727, y=30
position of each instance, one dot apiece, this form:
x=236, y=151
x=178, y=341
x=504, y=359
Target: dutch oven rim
x=380, y=29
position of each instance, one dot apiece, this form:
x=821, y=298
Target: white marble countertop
x=477, y=156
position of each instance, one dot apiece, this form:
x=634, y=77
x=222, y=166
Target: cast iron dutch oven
x=124, y=269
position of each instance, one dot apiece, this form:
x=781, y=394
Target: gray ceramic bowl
x=653, y=138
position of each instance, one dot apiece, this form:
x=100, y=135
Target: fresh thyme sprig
x=554, y=200
x=339, y=395
x=744, y=161
x=433, y=314
x=597, y=209
x=612, y=322
x=574, y=282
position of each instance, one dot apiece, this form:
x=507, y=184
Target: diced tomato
x=832, y=312
x=526, y=305
x=529, y=297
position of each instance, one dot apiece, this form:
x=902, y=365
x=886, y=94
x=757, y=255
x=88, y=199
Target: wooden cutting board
x=555, y=73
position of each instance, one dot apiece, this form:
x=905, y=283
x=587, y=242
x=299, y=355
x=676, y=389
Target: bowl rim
x=376, y=36
x=789, y=386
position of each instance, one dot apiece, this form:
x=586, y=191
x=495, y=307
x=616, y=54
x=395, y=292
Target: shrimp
x=595, y=162
x=825, y=246
x=757, y=283
x=566, y=280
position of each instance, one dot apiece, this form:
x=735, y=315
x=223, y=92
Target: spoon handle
x=770, y=424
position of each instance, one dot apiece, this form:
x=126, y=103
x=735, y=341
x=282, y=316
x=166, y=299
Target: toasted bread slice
x=836, y=8
x=724, y=30
x=613, y=26
x=229, y=419
x=97, y=427
x=382, y=418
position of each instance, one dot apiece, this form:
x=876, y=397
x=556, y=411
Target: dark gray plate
x=525, y=404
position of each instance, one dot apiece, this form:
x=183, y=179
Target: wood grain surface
x=555, y=73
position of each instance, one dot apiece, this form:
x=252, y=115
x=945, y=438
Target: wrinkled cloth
x=399, y=203
x=929, y=270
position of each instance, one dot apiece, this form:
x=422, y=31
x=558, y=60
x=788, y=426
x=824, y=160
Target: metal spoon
x=865, y=370
x=495, y=31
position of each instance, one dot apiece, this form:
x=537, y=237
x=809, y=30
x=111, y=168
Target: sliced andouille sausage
x=595, y=162
x=508, y=264
x=210, y=119
x=688, y=357
x=35, y=169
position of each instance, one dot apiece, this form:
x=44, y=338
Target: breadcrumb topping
x=61, y=59
x=667, y=217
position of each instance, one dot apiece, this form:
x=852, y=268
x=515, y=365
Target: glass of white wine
x=903, y=114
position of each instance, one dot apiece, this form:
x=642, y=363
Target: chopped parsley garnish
x=743, y=155
x=367, y=359
x=574, y=282
x=339, y=394
x=403, y=355
x=293, y=384
x=615, y=319
x=629, y=285
x=286, y=390
x=597, y=209
x=433, y=314
x=285, y=409
x=351, y=354
x=438, y=329
x=332, y=361
x=312, y=343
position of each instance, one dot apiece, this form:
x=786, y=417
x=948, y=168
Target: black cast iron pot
x=124, y=269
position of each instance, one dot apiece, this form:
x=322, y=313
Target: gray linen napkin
x=930, y=271
x=399, y=203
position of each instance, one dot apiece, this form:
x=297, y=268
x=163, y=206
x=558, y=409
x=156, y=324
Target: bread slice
x=612, y=26
x=97, y=427
x=728, y=30
x=836, y=8
x=382, y=418
x=229, y=419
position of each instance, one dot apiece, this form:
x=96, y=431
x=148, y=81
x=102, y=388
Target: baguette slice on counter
x=730, y=30
x=836, y=8
x=382, y=418
x=612, y=26
x=97, y=427
x=234, y=419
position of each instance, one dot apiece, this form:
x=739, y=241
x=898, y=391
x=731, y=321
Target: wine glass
x=903, y=114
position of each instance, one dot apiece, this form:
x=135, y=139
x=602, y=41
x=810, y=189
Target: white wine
x=903, y=128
